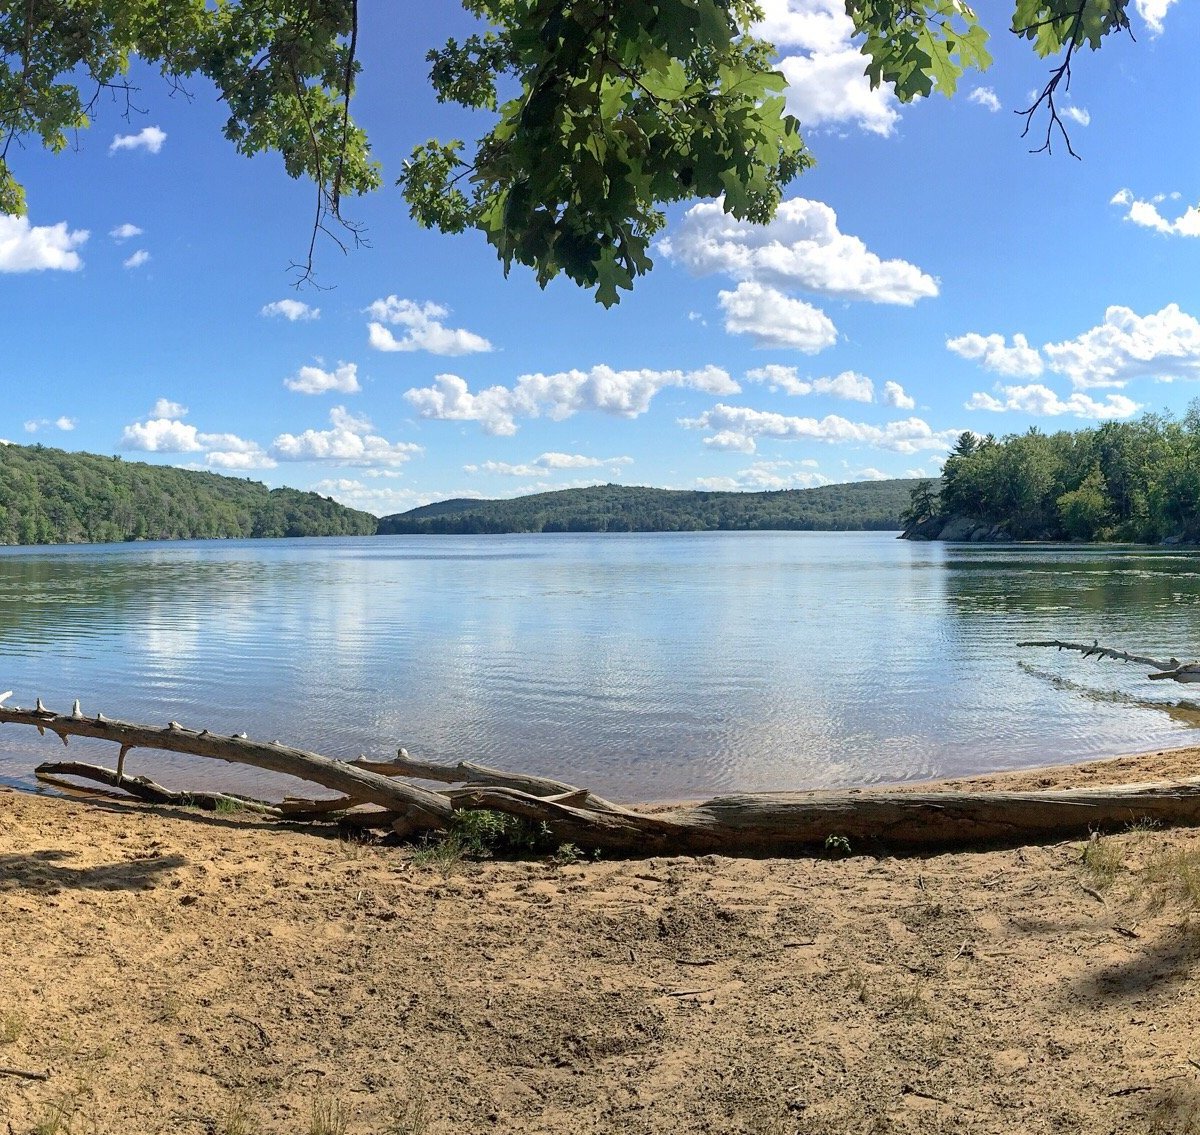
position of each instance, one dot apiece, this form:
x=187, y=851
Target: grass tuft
x=1172, y=876
x=12, y=1025
x=328, y=1117
x=1104, y=860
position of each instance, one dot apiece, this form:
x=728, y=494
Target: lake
x=645, y=666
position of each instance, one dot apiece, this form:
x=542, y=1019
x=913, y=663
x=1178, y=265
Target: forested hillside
x=620, y=508
x=48, y=496
x=1133, y=481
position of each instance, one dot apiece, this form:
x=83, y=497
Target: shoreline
x=182, y=972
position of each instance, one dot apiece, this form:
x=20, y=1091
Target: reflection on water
x=646, y=666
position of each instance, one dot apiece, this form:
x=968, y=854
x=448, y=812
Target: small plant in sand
x=12, y=1025
x=837, y=846
x=1172, y=877
x=1103, y=858
x=484, y=834
x=239, y=1120
x=57, y=1116
x=328, y=1117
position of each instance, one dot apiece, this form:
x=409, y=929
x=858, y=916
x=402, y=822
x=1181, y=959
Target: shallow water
x=645, y=666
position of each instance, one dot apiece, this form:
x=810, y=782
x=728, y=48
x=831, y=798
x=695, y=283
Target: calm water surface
x=644, y=666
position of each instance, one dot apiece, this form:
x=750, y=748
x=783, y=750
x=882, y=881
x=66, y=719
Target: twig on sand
x=24, y=1074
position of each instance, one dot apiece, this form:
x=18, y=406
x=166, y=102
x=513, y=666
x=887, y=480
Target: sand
x=170, y=971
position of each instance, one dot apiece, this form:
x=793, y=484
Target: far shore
x=171, y=971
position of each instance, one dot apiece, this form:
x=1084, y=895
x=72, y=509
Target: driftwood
x=1172, y=668
x=778, y=823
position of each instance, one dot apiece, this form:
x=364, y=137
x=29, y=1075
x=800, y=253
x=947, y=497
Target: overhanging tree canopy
x=617, y=108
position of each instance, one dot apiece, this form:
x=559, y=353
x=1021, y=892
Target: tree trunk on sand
x=775, y=823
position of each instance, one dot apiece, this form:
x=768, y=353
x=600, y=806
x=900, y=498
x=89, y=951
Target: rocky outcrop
x=960, y=529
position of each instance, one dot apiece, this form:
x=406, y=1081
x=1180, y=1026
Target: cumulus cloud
x=35, y=248
x=1153, y=12
x=763, y=476
x=313, y=380
x=826, y=73
x=165, y=408
x=623, y=393
x=350, y=441
x=773, y=319
x=993, y=353
x=849, y=384
x=1078, y=115
x=895, y=395
x=1164, y=345
x=739, y=428
x=985, y=97
x=137, y=259
x=424, y=330
x=61, y=423
x=802, y=248
x=125, y=232
x=1042, y=401
x=291, y=310
x=548, y=462
x=164, y=432
x=150, y=139
x=1146, y=214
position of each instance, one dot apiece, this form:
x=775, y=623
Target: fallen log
x=773, y=823
x=425, y=810
x=1171, y=669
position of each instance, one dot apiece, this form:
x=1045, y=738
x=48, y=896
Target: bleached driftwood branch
x=1173, y=669
x=424, y=809
x=776, y=823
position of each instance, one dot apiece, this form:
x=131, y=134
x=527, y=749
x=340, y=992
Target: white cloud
x=763, y=476
x=125, y=232
x=773, y=319
x=624, y=393
x=827, y=83
x=849, y=385
x=163, y=432
x=548, y=462
x=1153, y=12
x=1078, y=115
x=165, y=408
x=895, y=395
x=351, y=441
x=137, y=259
x=62, y=423
x=1042, y=401
x=314, y=380
x=802, y=248
x=992, y=353
x=739, y=427
x=291, y=310
x=150, y=139
x=1163, y=345
x=424, y=329
x=870, y=473
x=985, y=97
x=34, y=248
x=1147, y=215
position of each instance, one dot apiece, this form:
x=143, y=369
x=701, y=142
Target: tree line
x=1136, y=481
x=49, y=496
x=864, y=505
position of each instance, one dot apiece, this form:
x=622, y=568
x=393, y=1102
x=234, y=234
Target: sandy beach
x=173, y=971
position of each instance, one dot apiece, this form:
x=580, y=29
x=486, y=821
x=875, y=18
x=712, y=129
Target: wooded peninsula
x=49, y=496
x=1132, y=482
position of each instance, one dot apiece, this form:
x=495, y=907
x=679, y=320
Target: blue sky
x=928, y=276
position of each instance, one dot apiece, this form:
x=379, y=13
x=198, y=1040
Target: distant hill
x=48, y=496
x=874, y=505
